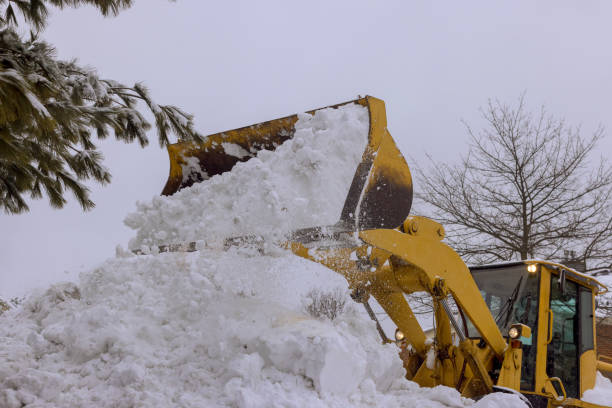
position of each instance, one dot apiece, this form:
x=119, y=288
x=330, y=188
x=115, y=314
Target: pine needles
x=52, y=112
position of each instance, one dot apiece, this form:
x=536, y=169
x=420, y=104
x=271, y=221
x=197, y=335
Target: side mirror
x=562, y=281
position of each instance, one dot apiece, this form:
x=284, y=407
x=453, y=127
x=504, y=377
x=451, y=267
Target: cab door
x=571, y=311
x=562, y=358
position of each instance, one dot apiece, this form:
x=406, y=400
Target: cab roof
x=574, y=274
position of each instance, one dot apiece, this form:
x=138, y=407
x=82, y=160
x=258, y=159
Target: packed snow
x=602, y=392
x=205, y=329
x=218, y=328
x=302, y=183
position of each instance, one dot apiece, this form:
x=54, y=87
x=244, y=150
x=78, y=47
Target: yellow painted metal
x=599, y=288
x=588, y=359
x=380, y=195
x=395, y=305
x=510, y=373
x=435, y=260
x=550, y=389
x=551, y=319
x=425, y=377
x=588, y=370
x=480, y=381
x=604, y=366
x=543, y=329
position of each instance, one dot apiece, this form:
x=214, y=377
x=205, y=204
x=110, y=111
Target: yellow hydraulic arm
x=387, y=264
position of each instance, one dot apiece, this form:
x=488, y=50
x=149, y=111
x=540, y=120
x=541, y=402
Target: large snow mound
x=302, y=183
x=206, y=329
x=217, y=328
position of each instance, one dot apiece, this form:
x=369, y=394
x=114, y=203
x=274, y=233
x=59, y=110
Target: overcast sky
x=234, y=63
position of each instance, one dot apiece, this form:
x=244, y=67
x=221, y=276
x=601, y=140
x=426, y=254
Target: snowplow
x=521, y=327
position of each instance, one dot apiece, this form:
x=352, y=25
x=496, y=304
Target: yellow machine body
x=385, y=253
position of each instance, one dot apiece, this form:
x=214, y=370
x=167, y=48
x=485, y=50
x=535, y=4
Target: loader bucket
x=380, y=194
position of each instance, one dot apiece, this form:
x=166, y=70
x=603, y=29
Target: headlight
x=399, y=335
x=532, y=268
x=514, y=333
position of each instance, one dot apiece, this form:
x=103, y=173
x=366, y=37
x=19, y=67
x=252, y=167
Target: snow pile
x=215, y=328
x=200, y=330
x=602, y=392
x=302, y=183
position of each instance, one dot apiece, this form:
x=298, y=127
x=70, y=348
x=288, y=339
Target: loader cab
x=557, y=303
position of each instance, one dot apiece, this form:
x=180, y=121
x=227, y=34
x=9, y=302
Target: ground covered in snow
x=199, y=330
x=217, y=328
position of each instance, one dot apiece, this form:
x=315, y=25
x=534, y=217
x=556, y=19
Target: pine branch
x=51, y=111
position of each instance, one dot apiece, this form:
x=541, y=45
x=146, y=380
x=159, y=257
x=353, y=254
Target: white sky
x=234, y=63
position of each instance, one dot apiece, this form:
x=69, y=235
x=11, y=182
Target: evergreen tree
x=53, y=111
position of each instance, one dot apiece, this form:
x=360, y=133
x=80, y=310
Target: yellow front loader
x=524, y=327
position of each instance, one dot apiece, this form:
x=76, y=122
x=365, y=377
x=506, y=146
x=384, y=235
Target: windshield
x=512, y=294
x=500, y=287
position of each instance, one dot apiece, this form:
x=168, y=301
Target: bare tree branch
x=529, y=187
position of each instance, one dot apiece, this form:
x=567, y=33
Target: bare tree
x=529, y=187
